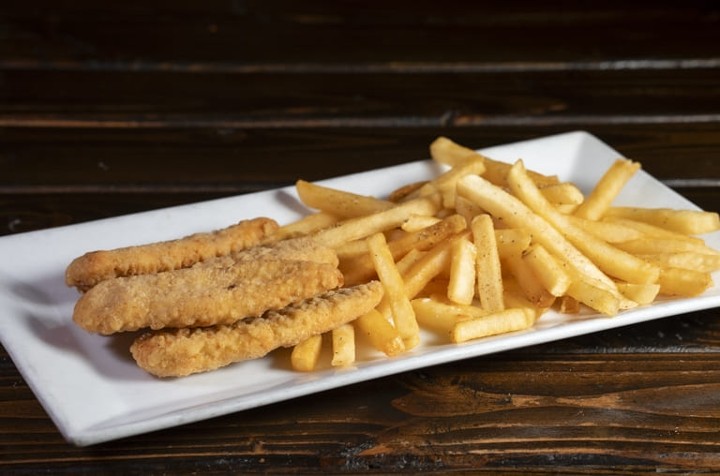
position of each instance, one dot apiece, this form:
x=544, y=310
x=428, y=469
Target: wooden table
x=107, y=110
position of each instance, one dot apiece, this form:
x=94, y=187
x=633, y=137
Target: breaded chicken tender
x=181, y=352
x=96, y=266
x=201, y=295
x=292, y=249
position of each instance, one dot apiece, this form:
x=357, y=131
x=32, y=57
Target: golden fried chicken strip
x=201, y=296
x=95, y=266
x=180, y=352
x=293, y=249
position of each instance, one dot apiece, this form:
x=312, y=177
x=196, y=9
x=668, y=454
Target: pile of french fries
x=487, y=247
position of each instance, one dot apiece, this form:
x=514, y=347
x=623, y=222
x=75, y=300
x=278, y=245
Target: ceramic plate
x=94, y=392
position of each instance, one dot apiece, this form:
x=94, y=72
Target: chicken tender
x=180, y=352
x=96, y=266
x=202, y=295
x=292, y=249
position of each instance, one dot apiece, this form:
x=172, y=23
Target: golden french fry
x=688, y=222
x=647, y=230
x=606, y=189
x=339, y=202
x=706, y=263
x=402, y=311
x=608, y=258
x=609, y=231
x=509, y=320
x=528, y=282
x=547, y=270
x=568, y=305
x=563, y=193
x=461, y=288
x=445, y=151
x=441, y=317
x=512, y=241
x=305, y=355
x=487, y=265
x=429, y=266
x=362, y=227
x=418, y=222
x=343, y=346
x=306, y=225
x=445, y=183
x=466, y=208
x=595, y=297
x=665, y=245
x=400, y=194
x=381, y=334
x=360, y=268
x=448, y=152
x=640, y=293
x=683, y=282
x=515, y=214
x=514, y=297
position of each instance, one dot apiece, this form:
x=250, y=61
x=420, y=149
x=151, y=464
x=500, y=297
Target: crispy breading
x=180, y=352
x=96, y=266
x=201, y=296
x=293, y=249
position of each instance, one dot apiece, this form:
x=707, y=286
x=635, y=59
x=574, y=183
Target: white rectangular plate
x=94, y=392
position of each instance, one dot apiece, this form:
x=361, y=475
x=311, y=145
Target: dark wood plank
x=312, y=33
x=165, y=98
x=508, y=412
x=243, y=159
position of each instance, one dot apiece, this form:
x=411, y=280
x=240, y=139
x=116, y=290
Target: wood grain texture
x=108, y=109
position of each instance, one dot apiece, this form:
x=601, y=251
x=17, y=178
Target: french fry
x=360, y=268
x=429, y=266
x=606, y=189
x=419, y=222
x=547, y=270
x=664, y=245
x=487, y=266
x=568, y=305
x=563, y=193
x=339, y=203
x=448, y=152
x=461, y=288
x=445, y=182
x=381, y=334
x=706, y=263
x=445, y=151
x=688, y=222
x=402, y=311
x=528, y=282
x=609, y=231
x=512, y=241
x=515, y=298
x=401, y=194
x=640, y=293
x=648, y=230
x=501, y=322
x=343, y=346
x=593, y=296
x=306, y=225
x=441, y=317
x=466, y=208
x=305, y=355
x=515, y=214
x=683, y=282
x=608, y=258
x=362, y=227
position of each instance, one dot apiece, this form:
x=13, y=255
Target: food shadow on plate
x=291, y=202
x=47, y=291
